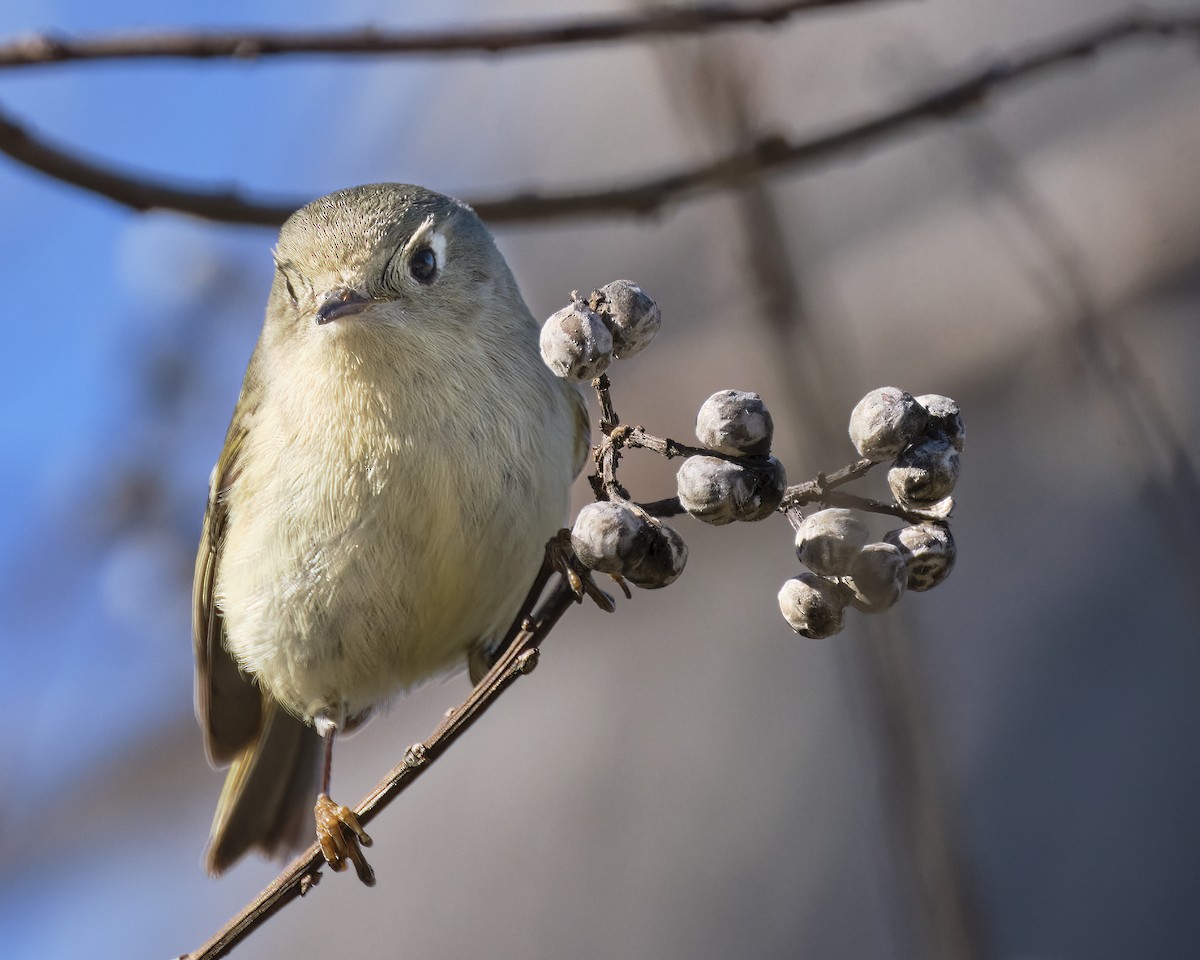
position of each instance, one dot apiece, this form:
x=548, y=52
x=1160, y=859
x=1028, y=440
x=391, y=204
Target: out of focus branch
x=672, y=21
x=768, y=154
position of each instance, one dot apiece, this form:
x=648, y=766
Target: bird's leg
x=338, y=830
x=560, y=557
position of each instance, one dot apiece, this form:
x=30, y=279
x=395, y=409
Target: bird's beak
x=341, y=303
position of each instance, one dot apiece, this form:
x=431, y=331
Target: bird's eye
x=422, y=266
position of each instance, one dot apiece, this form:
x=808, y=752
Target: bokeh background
x=1006, y=767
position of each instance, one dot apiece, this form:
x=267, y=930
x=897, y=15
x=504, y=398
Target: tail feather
x=268, y=797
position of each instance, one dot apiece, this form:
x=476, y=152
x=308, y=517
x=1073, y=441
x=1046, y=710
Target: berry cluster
x=923, y=436
x=732, y=476
x=739, y=479
x=580, y=340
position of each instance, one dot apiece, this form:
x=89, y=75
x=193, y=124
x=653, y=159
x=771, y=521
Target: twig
x=768, y=154
x=822, y=489
x=47, y=48
x=837, y=498
x=131, y=190
x=303, y=872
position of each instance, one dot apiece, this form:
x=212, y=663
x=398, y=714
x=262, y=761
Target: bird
x=397, y=459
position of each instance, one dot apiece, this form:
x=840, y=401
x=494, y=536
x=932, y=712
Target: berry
x=632, y=317
x=719, y=491
x=878, y=576
x=576, y=343
x=829, y=540
x=884, y=422
x=663, y=561
x=610, y=537
x=735, y=422
x=812, y=605
x=705, y=487
x=929, y=553
x=925, y=473
x=944, y=418
x=769, y=484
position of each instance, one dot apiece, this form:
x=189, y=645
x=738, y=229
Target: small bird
x=397, y=460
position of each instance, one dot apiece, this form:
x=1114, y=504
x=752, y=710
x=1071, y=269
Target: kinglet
x=397, y=460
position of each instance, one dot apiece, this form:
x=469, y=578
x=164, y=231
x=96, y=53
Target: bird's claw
x=562, y=557
x=340, y=833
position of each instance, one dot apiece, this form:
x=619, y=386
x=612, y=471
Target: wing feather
x=228, y=704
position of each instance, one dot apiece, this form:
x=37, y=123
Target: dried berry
x=812, y=605
x=735, y=422
x=929, y=552
x=829, y=540
x=768, y=484
x=610, y=537
x=878, y=577
x=719, y=491
x=663, y=561
x=632, y=317
x=925, y=473
x=576, y=343
x=884, y=422
x=944, y=418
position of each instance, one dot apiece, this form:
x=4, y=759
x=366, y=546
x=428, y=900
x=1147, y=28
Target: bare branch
x=768, y=154
x=303, y=872
x=131, y=190
x=673, y=21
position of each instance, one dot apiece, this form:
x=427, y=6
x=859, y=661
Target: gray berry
x=878, y=577
x=735, y=422
x=610, y=537
x=944, y=418
x=929, y=552
x=829, y=540
x=663, y=561
x=719, y=491
x=884, y=422
x=768, y=484
x=705, y=487
x=632, y=317
x=576, y=343
x=812, y=605
x=925, y=473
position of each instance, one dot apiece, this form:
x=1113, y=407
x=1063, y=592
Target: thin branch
x=131, y=190
x=673, y=21
x=303, y=872
x=768, y=154
x=822, y=489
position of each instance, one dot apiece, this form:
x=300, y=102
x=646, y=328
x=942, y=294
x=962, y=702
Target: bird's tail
x=267, y=800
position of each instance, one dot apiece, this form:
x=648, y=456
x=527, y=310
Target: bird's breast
x=378, y=528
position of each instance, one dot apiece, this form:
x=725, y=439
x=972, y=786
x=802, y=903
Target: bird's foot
x=561, y=557
x=339, y=833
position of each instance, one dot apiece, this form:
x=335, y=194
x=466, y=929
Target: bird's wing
x=228, y=704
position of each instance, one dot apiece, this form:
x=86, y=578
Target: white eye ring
x=424, y=256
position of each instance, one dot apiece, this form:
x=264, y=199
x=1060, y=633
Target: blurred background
x=1005, y=767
